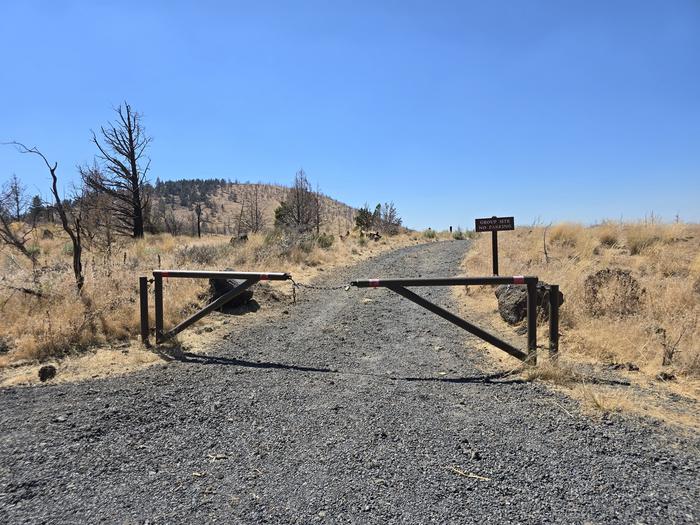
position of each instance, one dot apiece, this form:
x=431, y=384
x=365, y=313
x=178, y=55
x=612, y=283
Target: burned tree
x=72, y=226
x=16, y=196
x=123, y=170
x=299, y=208
x=198, y=216
x=14, y=232
x=317, y=203
x=254, y=221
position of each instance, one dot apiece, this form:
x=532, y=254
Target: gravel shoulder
x=355, y=407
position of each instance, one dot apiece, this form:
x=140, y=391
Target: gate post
x=554, y=321
x=532, y=321
x=143, y=299
x=158, y=288
x=494, y=251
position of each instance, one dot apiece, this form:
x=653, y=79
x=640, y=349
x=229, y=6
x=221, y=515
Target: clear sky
x=557, y=110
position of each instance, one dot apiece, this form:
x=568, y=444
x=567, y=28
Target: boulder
x=47, y=372
x=512, y=301
x=612, y=292
x=372, y=235
x=219, y=287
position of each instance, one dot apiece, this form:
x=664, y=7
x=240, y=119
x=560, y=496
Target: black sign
x=495, y=224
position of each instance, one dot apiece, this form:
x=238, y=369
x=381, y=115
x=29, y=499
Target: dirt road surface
x=355, y=407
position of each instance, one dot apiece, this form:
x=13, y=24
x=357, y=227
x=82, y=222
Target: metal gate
x=399, y=286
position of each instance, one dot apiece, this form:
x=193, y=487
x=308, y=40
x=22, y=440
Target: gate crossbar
x=399, y=286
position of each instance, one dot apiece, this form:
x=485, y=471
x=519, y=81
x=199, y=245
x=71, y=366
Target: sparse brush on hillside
x=632, y=291
x=237, y=208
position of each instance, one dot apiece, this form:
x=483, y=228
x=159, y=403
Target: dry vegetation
x=632, y=296
x=632, y=291
x=44, y=318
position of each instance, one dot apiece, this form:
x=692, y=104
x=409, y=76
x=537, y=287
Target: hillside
x=227, y=205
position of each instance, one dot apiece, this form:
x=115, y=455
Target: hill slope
x=226, y=206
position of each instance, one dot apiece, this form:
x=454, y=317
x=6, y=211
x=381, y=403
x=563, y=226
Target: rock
x=47, y=234
x=47, y=372
x=631, y=367
x=666, y=376
x=372, y=235
x=240, y=239
x=512, y=301
x=219, y=287
x=612, y=292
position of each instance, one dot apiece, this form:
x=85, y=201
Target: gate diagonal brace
x=249, y=279
x=399, y=286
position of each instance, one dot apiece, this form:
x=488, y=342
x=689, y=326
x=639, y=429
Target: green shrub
x=67, y=248
x=325, y=241
x=35, y=250
x=429, y=234
x=458, y=235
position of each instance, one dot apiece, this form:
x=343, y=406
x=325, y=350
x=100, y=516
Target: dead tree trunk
x=122, y=148
x=73, y=230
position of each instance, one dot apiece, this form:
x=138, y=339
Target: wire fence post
x=554, y=321
x=532, y=322
x=143, y=300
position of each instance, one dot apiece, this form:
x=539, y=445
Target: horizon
x=453, y=111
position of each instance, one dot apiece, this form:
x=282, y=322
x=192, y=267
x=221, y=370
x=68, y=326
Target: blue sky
x=549, y=110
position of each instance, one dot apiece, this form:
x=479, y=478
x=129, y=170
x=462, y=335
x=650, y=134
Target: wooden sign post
x=494, y=225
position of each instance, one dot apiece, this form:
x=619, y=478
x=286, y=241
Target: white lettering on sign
x=494, y=224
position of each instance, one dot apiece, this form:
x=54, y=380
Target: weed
x=325, y=241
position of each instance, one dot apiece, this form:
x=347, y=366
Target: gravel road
x=355, y=407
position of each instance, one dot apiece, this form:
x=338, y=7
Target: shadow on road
x=176, y=354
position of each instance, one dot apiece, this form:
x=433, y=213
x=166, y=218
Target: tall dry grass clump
x=608, y=234
x=632, y=291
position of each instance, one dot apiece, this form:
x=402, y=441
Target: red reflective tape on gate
x=164, y=274
x=264, y=277
x=518, y=279
x=374, y=283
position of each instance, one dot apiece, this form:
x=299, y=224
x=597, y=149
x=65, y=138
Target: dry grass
x=640, y=320
x=661, y=317
x=556, y=373
x=61, y=324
